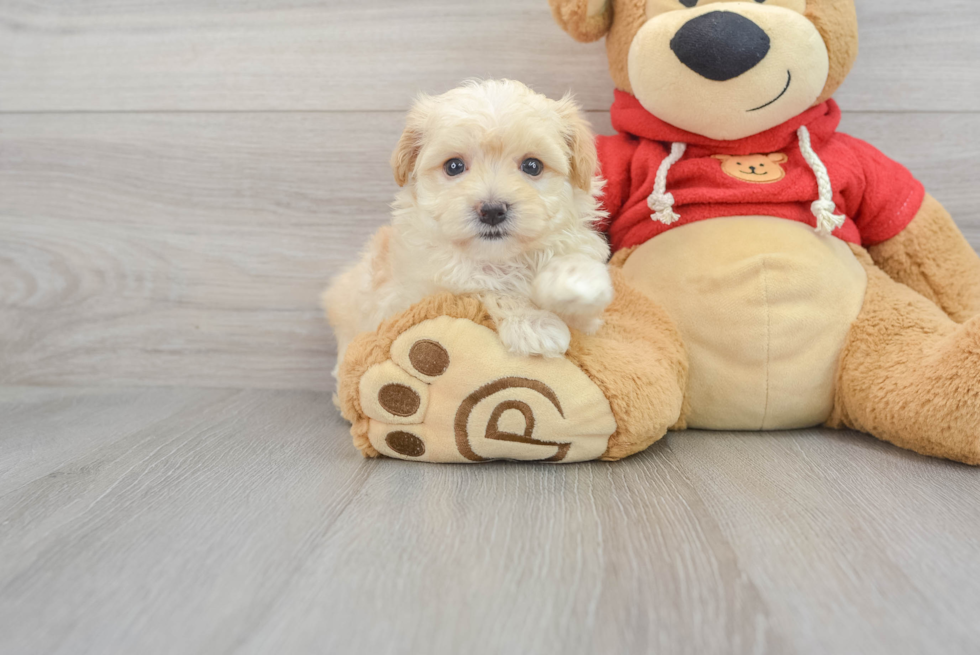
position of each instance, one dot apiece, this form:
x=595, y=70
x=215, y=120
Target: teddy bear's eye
x=689, y=3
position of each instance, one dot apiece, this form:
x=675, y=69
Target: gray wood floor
x=177, y=181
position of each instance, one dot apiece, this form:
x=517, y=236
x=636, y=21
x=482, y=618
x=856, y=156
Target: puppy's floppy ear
x=406, y=152
x=584, y=20
x=410, y=143
x=583, y=158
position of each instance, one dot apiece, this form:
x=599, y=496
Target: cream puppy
x=498, y=200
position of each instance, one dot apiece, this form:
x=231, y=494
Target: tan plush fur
x=620, y=256
x=932, y=257
x=637, y=360
x=584, y=20
x=836, y=20
x=909, y=369
x=763, y=306
x=902, y=353
x=910, y=375
x=373, y=348
x=628, y=18
x=784, y=83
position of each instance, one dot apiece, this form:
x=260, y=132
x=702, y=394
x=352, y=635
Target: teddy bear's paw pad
x=451, y=392
x=426, y=359
x=391, y=395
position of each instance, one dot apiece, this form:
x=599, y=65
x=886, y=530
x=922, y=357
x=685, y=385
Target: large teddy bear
x=770, y=272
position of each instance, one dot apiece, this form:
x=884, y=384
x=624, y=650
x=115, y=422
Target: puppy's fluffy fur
x=542, y=267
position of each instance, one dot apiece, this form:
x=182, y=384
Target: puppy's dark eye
x=689, y=3
x=454, y=167
x=532, y=167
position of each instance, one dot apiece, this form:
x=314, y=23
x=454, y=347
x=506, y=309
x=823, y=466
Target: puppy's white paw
x=535, y=333
x=573, y=286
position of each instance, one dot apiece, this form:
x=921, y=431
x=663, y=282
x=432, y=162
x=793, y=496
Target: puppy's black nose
x=720, y=45
x=493, y=213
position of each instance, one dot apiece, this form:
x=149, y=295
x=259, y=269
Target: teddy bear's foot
x=436, y=384
x=910, y=375
x=451, y=392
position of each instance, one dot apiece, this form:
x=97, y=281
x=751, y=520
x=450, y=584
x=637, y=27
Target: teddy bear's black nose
x=720, y=45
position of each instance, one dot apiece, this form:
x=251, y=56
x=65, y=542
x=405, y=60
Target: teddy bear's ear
x=778, y=157
x=721, y=157
x=583, y=160
x=837, y=23
x=584, y=20
x=410, y=143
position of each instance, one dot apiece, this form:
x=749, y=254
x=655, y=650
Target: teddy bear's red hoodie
x=875, y=196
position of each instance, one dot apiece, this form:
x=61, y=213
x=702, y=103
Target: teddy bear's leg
x=638, y=359
x=932, y=257
x=436, y=384
x=909, y=374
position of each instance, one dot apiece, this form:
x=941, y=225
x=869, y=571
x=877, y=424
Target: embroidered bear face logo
x=760, y=169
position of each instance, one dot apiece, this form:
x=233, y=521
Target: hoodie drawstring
x=823, y=208
x=662, y=203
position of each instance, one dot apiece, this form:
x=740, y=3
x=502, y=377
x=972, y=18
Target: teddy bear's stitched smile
x=789, y=80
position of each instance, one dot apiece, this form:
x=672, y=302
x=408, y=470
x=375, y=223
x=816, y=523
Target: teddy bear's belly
x=763, y=305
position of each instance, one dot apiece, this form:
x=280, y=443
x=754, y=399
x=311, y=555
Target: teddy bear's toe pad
x=451, y=392
x=391, y=395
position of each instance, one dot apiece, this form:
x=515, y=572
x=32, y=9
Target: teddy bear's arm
x=932, y=257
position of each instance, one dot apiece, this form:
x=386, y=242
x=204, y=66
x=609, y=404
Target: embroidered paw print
x=759, y=169
x=451, y=392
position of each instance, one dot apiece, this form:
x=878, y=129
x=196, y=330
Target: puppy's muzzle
x=492, y=214
x=720, y=45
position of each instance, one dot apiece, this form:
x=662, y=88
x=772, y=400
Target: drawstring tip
x=663, y=208
x=660, y=201
x=667, y=217
x=828, y=225
x=827, y=221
